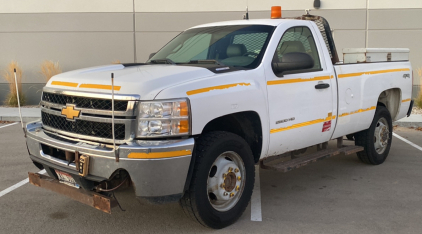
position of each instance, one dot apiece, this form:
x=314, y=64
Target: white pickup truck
x=191, y=123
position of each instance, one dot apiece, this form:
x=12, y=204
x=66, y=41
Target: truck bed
x=359, y=87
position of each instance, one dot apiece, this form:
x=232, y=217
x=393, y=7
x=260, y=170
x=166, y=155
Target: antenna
x=246, y=16
x=19, y=103
x=116, y=154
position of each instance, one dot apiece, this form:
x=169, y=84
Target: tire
x=350, y=137
x=205, y=203
x=377, y=139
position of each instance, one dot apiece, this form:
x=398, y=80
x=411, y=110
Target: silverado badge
x=70, y=112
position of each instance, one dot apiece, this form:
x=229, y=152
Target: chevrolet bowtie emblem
x=70, y=112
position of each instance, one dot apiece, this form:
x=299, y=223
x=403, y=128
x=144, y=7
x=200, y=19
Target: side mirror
x=293, y=61
x=151, y=55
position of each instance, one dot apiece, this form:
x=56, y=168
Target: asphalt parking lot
x=336, y=195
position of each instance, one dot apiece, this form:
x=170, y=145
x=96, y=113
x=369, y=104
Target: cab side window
x=298, y=39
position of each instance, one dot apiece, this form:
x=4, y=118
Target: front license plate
x=66, y=179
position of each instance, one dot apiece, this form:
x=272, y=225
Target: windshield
x=237, y=46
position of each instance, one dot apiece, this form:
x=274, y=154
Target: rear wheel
x=377, y=139
x=222, y=181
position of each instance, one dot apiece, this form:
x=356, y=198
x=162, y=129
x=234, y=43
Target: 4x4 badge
x=70, y=112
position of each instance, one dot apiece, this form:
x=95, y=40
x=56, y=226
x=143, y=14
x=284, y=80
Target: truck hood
x=144, y=80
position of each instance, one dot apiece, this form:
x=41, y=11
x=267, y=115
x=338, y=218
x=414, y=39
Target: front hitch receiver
x=93, y=199
x=83, y=165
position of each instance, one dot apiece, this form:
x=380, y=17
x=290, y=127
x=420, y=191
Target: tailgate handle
x=322, y=86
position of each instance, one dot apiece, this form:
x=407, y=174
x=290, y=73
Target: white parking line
x=408, y=142
x=11, y=188
x=8, y=125
x=256, y=213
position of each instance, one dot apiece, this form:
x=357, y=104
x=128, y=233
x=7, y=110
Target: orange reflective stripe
x=299, y=125
x=61, y=83
x=357, y=111
x=155, y=155
x=298, y=80
x=98, y=86
x=372, y=72
x=204, y=90
x=304, y=124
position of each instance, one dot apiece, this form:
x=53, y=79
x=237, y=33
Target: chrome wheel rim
x=226, y=181
x=381, y=135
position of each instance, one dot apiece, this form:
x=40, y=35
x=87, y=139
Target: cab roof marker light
x=276, y=12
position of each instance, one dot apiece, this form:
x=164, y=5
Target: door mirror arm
x=152, y=55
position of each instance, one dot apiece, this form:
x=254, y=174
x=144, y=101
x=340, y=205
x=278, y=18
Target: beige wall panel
x=179, y=21
x=240, y=5
x=189, y=5
x=396, y=39
x=385, y=4
x=348, y=39
x=151, y=42
x=72, y=50
x=267, y=14
x=53, y=22
x=48, y=6
x=338, y=19
x=307, y=4
x=395, y=19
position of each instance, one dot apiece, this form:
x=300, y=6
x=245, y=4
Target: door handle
x=322, y=86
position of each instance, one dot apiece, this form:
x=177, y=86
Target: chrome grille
x=83, y=127
x=94, y=122
x=84, y=102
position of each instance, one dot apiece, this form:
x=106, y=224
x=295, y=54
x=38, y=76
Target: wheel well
x=245, y=124
x=391, y=100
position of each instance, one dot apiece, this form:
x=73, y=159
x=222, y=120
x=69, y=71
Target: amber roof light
x=275, y=12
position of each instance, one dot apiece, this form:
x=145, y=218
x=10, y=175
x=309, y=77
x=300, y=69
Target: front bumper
x=155, y=179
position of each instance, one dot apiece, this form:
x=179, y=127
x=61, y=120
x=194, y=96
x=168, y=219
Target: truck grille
x=83, y=127
x=84, y=102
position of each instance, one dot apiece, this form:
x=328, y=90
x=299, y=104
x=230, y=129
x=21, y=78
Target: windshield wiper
x=206, y=61
x=163, y=61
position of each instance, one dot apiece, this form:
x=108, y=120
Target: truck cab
x=192, y=121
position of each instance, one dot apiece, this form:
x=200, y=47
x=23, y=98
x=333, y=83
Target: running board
x=93, y=199
x=310, y=158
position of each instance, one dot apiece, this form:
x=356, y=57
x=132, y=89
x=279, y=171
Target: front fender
x=224, y=94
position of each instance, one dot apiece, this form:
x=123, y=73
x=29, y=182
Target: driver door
x=301, y=113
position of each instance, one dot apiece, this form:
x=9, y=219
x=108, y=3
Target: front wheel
x=222, y=180
x=377, y=139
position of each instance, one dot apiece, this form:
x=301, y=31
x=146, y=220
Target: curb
x=408, y=124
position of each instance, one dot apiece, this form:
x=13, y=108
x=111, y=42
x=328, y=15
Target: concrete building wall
x=80, y=33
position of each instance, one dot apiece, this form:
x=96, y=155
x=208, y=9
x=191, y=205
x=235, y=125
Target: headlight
x=163, y=118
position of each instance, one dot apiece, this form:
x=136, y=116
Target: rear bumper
x=152, y=178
